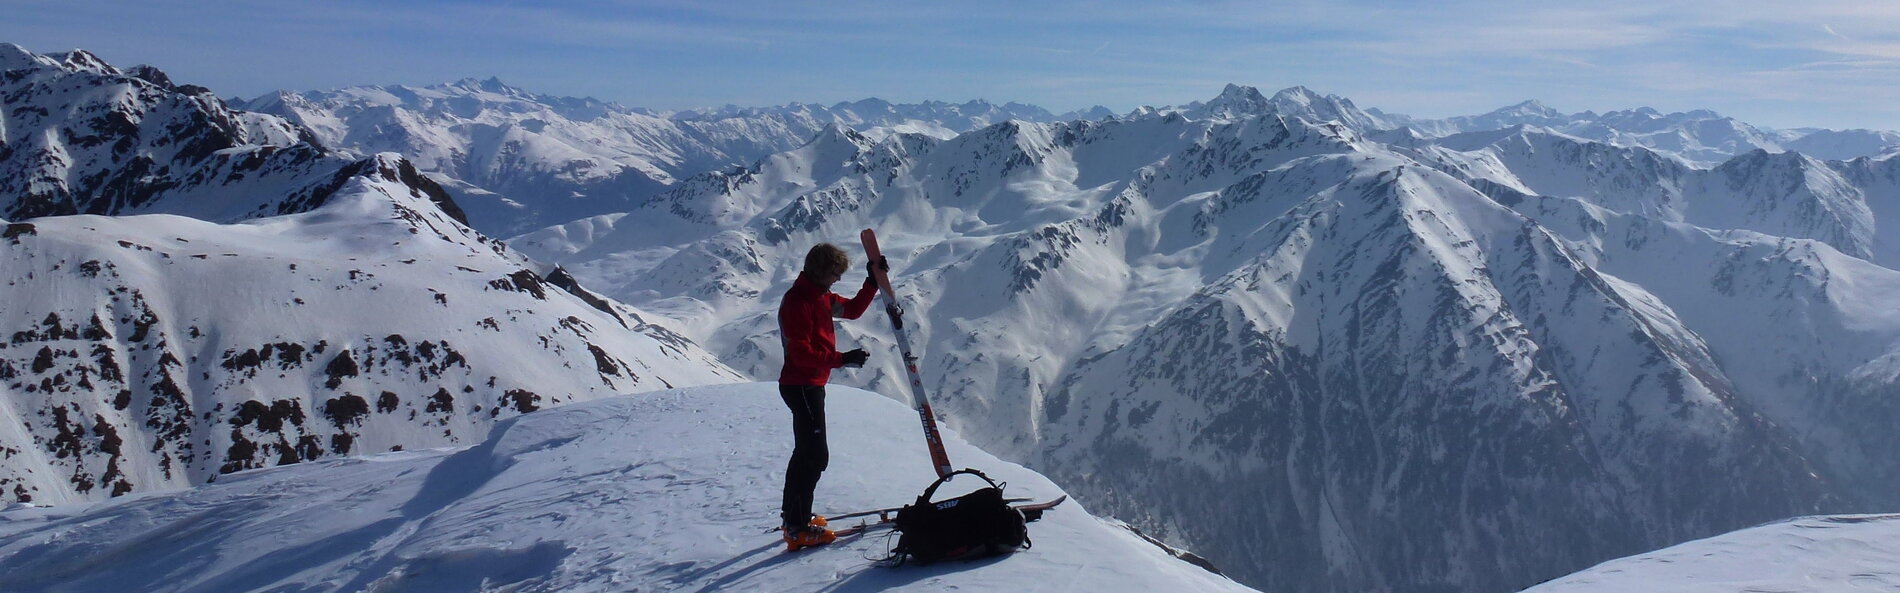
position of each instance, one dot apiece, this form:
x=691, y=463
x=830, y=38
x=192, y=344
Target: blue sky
x=1779, y=64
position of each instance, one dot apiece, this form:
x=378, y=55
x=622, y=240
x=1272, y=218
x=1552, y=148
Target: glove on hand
x=856, y=358
x=875, y=265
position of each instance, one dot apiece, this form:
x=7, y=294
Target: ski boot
x=812, y=534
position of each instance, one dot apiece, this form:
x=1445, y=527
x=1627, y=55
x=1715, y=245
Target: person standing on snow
x=804, y=321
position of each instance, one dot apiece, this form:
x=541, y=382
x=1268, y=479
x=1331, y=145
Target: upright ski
x=938, y=458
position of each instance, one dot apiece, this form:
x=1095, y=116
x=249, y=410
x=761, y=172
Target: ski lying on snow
x=1031, y=512
x=1040, y=506
x=881, y=513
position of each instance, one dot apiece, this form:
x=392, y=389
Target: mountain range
x=517, y=161
x=1329, y=348
x=221, y=294
x=1330, y=358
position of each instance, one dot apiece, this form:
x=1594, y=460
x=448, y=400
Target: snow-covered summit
x=1237, y=102
x=665, y=491
x=82, y=136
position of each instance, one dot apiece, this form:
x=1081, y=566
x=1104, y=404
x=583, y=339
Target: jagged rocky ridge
x=84, y=137
x=1333, y=359
x=259, y=315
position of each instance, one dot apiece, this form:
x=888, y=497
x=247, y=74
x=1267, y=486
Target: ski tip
x=1043, y=505
x=1033, y=512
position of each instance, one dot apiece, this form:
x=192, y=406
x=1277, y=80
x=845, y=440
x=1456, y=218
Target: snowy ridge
x=1338, y=332
x=82, y=136
x=519, y=160
x=1783, y=194
x=1699, y=138
x=162, y=350
x=1833, y=553
x=666, y=491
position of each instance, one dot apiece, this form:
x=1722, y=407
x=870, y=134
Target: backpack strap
x=932, y=490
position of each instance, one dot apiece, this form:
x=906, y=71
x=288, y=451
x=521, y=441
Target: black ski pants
x=810, y=454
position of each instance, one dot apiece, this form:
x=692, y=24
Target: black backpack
x=971, y=526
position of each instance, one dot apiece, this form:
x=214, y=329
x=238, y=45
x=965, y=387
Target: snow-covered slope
x=161, y=350
x=1782, y=194
x=665, y=491
x=158, y=351
x=1840, y=145
x=1700, y=137
x=1805, y=555
x=1382, y=361
x=520, y=161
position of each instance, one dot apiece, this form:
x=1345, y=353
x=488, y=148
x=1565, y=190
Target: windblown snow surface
x=664, y=491
x=1836, y=553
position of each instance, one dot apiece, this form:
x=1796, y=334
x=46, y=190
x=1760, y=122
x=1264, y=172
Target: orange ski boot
x=808, y=536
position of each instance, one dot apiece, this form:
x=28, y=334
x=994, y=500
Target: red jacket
x=804, y=324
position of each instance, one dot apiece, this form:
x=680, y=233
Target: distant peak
x=1529, y=106
x=865, y=103
x=1234, y=101
x=14, y=57
x=492, y=84
x=1297, y=93
x=1235, y=91
x=152, y=75
x=79, y=59
x=837, y=132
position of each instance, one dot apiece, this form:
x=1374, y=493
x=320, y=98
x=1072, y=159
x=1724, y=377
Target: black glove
x=875, y=265
x=856, y=358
